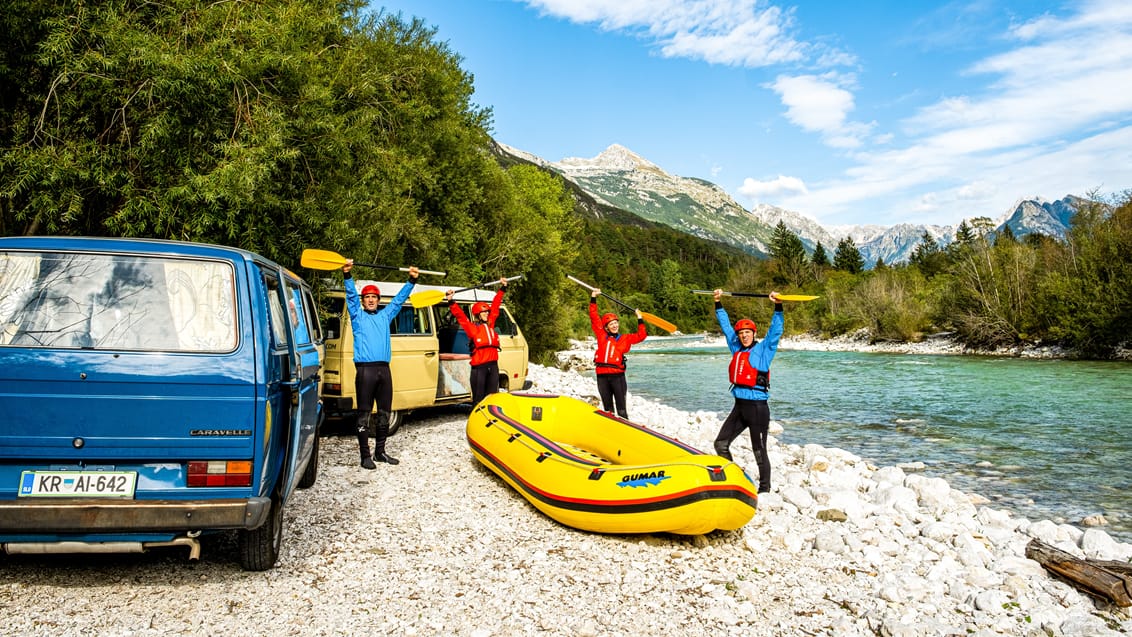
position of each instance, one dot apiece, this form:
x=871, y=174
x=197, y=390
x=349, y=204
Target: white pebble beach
x=438, y=545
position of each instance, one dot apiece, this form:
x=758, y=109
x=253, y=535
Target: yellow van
x=431, y=356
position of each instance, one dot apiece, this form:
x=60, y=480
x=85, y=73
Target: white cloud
x=1040, y=117
x=821, y=104
x=770, y=189
x=975, y=191
x=748, y=33
x=1046, y=121
x=814, y=103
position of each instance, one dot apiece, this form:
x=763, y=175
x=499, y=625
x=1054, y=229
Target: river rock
x=438, y=545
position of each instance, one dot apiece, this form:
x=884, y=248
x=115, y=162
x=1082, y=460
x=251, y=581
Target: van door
x=293, y=378
x=415, y=363
x=305, y=414
x=513, y=354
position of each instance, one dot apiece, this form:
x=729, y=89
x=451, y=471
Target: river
x=1045, y=439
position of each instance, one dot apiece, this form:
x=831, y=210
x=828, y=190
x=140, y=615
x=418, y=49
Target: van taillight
x=220, y=473
x=333, y=389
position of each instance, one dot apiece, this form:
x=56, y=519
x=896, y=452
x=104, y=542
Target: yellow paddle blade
x=797, y=297
x=426, y=298
x=653, y=319
x=322, y=259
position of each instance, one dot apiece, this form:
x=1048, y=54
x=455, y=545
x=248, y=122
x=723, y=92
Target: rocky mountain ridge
x=620, y=178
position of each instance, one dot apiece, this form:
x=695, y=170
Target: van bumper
x=96, y=515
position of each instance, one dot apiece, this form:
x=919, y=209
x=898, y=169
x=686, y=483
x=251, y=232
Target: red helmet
x=480, y=307
x=746, y=324
x=607, y=318
x=371, y=289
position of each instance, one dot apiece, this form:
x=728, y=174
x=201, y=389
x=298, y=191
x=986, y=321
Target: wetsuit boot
x=381, y=433
x=363, y=441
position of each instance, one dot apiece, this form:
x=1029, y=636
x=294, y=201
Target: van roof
x=163, y=247
x=390, y=288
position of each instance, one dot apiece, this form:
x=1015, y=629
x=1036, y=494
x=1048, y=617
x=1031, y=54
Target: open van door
x=291, y=404
x=300, y=376
x=415, y=362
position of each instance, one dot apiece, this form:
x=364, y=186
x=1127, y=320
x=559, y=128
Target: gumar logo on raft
x=643, y=479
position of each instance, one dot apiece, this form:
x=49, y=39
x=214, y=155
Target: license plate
x=86, y=484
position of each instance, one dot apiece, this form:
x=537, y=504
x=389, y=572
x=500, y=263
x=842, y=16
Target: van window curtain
x=18, y=274
x=116, y=301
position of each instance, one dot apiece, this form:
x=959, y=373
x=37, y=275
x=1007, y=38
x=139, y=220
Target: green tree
x=789, y=254
x=669, y=291
x=928, y=257
x=271, y=126
x=964, y=234
x=536, y=237
x=1087, y=297
x=994, y=298
x=965, y=238
x=847, y=257
x=820, y=259
x=175, y=121
x=889, y=302
x=1005, y=235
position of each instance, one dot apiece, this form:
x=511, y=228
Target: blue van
x=151, y=392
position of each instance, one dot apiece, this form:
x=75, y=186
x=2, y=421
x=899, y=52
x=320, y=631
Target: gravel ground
x=435, y=545
x=438, y=545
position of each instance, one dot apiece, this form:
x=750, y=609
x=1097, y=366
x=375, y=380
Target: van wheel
x=259, y=548
x=395, y=420
x=311, y=473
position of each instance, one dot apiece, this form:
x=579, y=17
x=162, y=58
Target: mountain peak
x=620, y=178
x=615, y=158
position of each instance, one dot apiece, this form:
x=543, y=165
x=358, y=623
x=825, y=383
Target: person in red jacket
x=610, y=355
x=484, y=341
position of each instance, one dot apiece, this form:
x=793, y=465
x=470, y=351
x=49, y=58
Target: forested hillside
x=284, y=125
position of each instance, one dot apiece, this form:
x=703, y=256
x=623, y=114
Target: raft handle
x=596, y=474
x=542, y=456
x=717, y=473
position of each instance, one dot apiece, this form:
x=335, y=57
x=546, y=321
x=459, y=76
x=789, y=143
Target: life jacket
x=483, y=336
x=610, y=353
x=742, y=374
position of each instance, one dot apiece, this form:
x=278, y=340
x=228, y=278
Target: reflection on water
x=1046, y=439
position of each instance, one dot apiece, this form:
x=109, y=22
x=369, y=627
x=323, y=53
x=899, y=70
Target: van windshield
x=116, y=301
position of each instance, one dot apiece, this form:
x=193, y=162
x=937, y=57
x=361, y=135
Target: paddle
x=327, y=260
x=781, y=297
x=432, y=297
x=651, y=319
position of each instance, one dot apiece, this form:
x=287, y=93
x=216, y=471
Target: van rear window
x=116, y=301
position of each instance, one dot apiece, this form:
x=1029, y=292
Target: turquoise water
x=1046, y=439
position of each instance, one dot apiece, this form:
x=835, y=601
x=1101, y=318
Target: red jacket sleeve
x=493, y=313
x=638, y=336
x=454, y=308
x=595, y=320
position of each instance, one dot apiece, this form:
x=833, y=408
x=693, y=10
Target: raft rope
x=542, y=454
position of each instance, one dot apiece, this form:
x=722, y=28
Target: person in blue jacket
x=373, y=381
x=749, y=373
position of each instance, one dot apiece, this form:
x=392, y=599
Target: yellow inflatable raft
x=594, y=471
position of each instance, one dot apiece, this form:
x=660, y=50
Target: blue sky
x=878, y=112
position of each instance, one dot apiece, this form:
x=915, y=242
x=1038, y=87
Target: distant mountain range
x=620, y=178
